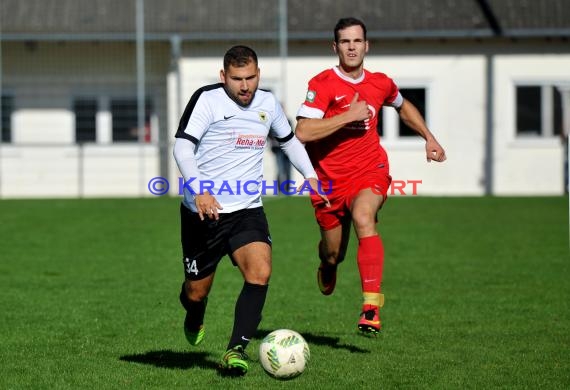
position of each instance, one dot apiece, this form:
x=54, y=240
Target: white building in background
x=524, y=162
x=69, y=120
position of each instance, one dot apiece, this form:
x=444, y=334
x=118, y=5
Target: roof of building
x=315, y=19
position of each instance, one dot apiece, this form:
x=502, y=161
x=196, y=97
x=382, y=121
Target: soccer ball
x=284, y=354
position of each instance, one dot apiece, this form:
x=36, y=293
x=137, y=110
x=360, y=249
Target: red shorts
x=342, y=194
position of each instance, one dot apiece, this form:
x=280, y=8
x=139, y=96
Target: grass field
x=477, y=296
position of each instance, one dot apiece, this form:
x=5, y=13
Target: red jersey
x=354, y=150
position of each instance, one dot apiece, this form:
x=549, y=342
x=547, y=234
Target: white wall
x=455, y=114
x=119, y=169
x=43, y=159
x=531, y=166
x=32, y=171
x=38, y=171
x=456, y=101
x=455, y=86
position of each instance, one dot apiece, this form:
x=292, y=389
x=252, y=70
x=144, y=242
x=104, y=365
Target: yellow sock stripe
x=375, y=299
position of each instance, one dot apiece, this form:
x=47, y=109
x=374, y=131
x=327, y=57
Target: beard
x=236, y=98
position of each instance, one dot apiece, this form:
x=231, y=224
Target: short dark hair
x=239, y=56
x=348, y=22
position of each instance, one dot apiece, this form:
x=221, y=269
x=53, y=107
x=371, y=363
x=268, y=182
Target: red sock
x=370, y=259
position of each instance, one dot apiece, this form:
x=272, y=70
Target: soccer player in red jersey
x=338, y=122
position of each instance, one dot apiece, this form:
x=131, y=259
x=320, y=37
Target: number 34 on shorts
x=191, y=266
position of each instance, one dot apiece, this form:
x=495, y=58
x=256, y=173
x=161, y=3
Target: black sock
x=195, y=310
x=247, y=315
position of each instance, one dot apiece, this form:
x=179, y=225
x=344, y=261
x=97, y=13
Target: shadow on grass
x=332, y=342
x=171, y=359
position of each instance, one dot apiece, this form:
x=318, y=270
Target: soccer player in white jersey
x=219, y=150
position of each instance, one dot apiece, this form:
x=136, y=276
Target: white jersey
x=230, y=142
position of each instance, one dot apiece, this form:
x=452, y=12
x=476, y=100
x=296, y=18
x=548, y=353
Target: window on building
x=125, y=120
x=380, y=128
x=529, y=111
x=417, y=96
x=557, y=120
x=6, y=125
x=538, y=111
x=85, y=119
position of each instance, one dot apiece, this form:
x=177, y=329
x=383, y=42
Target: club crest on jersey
x=250, y=141
x=262, y=116
x=311, y=96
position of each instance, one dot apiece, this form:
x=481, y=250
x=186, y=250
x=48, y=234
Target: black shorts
x=204, y=243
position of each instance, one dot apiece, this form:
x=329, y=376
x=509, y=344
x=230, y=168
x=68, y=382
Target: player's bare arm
x=413, y=119
x=312, y=129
